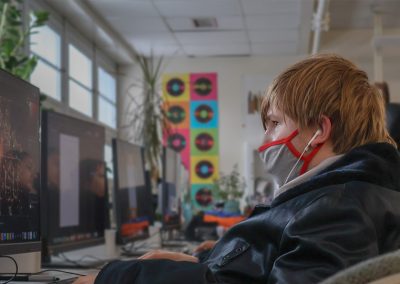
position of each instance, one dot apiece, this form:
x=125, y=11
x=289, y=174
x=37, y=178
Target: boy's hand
x=162, y=254
x=206, y=245
x=88, y=279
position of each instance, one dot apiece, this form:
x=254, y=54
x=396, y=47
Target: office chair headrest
x=393, y=121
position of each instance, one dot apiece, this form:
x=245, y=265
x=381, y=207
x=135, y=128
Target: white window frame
x=72, y=36
x=55, y=23
x=69, y=34
x=108, y=66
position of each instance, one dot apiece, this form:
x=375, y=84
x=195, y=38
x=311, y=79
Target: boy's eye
x=275, y=123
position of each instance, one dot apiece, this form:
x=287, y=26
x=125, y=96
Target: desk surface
x=100, y=252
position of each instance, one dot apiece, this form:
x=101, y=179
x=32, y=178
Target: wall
x=230, y=71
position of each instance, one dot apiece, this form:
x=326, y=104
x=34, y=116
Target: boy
x=336, y=176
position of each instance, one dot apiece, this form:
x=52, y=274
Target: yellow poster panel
x=204, y=169
x=175, y=87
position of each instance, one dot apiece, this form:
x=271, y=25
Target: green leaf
x=13, y=37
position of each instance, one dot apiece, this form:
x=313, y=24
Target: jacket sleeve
x=327, y=236
x=155, y=272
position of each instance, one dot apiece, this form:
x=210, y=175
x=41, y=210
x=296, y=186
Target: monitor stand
x=27, y=263
x=170, y=237
x=132, y=251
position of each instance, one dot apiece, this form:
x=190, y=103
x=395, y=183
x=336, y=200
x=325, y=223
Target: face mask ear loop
x=302, y=154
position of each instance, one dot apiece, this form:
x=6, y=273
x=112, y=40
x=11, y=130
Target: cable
x=58, y=270
x=132, y=248
x=78, y=263
x=16, y=268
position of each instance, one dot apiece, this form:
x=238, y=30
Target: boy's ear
x=324, y=131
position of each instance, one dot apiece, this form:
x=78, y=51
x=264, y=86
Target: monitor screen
x=19, y=166
x=170, y=191
x=74, y=183
x=132, y=192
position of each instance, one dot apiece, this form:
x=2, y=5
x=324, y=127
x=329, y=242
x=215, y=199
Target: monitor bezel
x=120, y=239
x=19, y=247
x=169, y=225
x=48, y=249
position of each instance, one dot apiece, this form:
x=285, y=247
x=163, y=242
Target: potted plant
x=13, y=38
x=230, y=188
x=145, y=115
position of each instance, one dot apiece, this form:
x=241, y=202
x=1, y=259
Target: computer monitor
x=74, y=192
x=19, y=173
x=170, y=191
x=132, y=192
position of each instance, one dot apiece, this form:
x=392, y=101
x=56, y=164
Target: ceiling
x=239, y=27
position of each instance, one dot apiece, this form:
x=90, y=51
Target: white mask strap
x=318, y=132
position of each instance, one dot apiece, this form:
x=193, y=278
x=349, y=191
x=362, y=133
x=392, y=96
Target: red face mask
x=282, y=160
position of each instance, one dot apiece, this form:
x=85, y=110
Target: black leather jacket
x=343, y=215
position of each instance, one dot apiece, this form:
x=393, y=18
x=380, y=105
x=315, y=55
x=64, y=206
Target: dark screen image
x=74, y=180
x=19, y=160
x=170, y=201
x=133, y=201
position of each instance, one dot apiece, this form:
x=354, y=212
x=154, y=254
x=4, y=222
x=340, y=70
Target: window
x=107, y=98
x=80, y=81
x=46, y=45
x=109, y=161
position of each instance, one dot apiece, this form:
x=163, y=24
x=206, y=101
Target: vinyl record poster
x=191, y=108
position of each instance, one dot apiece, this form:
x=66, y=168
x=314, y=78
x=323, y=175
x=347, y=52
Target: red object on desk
x=225, y=222
x=133, y=228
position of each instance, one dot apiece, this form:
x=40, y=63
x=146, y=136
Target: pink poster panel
x=203, y=86
x=179, y=140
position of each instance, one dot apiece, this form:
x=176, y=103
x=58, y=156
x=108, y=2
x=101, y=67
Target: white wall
x=231, y=98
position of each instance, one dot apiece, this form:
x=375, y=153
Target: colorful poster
x=203, y=87
x=177, y=114
x=204, y=169
x=176, y=87
x=178, y=140
x=191, y=107
x=204, y=141
x=202, y=196
x=203, y=114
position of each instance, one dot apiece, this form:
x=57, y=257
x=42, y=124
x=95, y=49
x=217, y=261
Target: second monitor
x=170, y=190
x=132, y=192
x=74, y=193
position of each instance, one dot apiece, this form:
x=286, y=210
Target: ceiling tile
x=220, y=49
x=154, y=38
x=276, y=21
x=273, y=36
x=211, y=37
x=180, y=23
x=263, y=7
x=140, y=26
x=230, y=22
x=204, y=8
x=274, y=49
x=223, y=23
x=125, y=9
x=143, y=47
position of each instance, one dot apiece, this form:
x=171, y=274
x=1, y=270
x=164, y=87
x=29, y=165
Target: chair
x=381, y=269
x=393, y=121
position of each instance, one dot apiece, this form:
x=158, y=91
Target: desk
x=100, y=252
